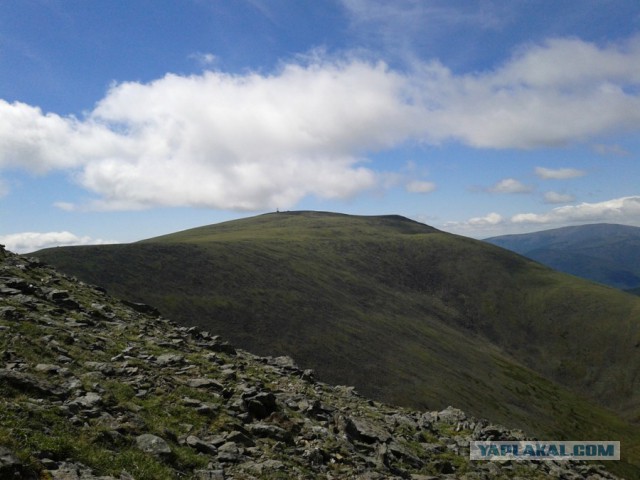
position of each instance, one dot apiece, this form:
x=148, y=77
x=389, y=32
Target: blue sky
x=123, y=120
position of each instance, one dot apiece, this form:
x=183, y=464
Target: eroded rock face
x=100, y=389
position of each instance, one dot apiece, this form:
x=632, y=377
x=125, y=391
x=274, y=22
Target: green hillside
x=93, y=389
x=410, y=315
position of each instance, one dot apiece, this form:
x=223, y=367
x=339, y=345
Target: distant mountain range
x=604, y=253
x=408, y=314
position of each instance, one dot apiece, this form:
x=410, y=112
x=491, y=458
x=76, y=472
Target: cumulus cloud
x=555, y=197
x=490, y=224
x=624, y=210
x=509, y=185
x=558, y=174
x=529, y=102
x=250, y=142
x=26, y=242
x=490, y=219
x=40, y=142
x=418, y=186
x=255, y=141
x=617, y=210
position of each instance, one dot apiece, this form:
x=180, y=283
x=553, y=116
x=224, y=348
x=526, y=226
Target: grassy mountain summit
x=604, y=253
x=406, y=313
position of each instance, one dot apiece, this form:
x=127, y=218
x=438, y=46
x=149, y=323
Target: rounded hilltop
x=301, y=224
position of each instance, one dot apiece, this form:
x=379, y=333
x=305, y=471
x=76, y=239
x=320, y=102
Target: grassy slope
x=398, y=309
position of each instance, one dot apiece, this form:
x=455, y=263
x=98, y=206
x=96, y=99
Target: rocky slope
x=94, y=388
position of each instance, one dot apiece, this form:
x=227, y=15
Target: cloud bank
x=257, y=141
x=26, y=242
x=624, y=210
x=611, y=211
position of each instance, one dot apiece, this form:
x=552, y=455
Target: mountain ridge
x=435, y=318
x=99, y=389
x=604, y=253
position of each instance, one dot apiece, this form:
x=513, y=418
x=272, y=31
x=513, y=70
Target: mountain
x=94, y=388
x=409, y=315
x=604, y=253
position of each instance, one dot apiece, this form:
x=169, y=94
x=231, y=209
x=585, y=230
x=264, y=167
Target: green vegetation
x=408, y=314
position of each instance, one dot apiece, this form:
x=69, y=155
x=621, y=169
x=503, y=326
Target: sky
x=122, y=120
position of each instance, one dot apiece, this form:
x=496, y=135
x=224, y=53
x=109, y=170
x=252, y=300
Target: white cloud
x=204, y=59
x=625, y=210
x=555, y=197
x=530, y=102
x=41, y=142
x=617, y=210
x=510, y=185
x=31, y=241
x=490, y=219
x=250, y=142
x=418, y=186
x=488, y=225
x=257, y=141
x=558, y=174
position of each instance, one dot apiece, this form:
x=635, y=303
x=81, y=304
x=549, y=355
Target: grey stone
x=263, y=467
x=283, y=362
x=270, y=431
x=241, y=438
x=46, y=368
x=153, y=444
x=102, y=367
x=209, y=474
x=87, y=401
x=62, y=298
x=167, y=359
x=365, y=431
x=451, y=415
x=259, y=404
x=222, y=347
x=229, y=452
x=201, y=446
x=29, y=384
x=142, y=308
x=204, y=383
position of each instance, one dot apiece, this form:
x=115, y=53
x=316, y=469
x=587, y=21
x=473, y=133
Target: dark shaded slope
x=408, y=314
x=93, y=389
x=604, y=253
